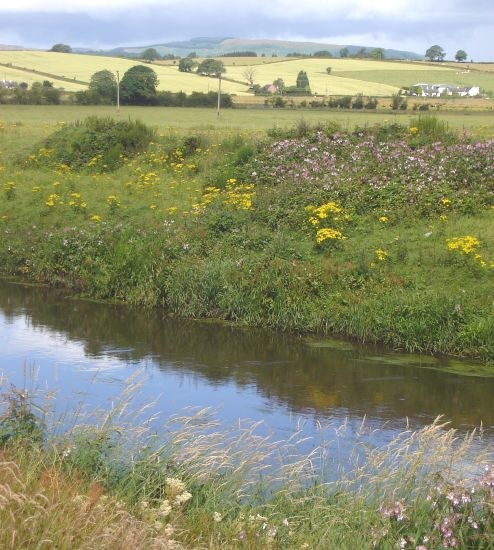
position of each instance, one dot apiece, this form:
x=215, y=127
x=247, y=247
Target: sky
x=412, y=25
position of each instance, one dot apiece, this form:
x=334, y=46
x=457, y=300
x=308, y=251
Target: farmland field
x=82, y=67
x=18, y=75
x=348, y=76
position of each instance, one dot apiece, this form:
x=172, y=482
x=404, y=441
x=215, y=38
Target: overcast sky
x=412, y=25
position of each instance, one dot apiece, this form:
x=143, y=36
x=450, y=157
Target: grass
x=42, y=119
x=112, y=483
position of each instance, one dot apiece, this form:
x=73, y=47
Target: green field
x=348, y=76
x=41, y=119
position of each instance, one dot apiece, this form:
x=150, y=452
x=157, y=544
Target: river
x=85, y=352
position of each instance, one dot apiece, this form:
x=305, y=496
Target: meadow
x=348, y=76
x=37, y=121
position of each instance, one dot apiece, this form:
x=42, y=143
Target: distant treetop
x=61, y=48
x=435, y=53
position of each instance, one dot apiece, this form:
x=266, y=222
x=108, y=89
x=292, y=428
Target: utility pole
x=219, y=93
x=118, y=91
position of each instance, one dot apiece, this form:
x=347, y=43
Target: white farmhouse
x=440, y=90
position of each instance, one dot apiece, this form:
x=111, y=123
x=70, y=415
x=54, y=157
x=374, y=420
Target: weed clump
x=95, y=144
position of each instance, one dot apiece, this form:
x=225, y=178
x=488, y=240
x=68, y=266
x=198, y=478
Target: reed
x=122, y=479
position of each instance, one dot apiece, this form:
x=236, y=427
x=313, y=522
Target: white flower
x=174, y=486
x=165, y=508
x=182, y=498
x=217, y=517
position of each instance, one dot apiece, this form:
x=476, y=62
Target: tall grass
x=192, y=482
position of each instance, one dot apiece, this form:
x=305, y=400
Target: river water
x=87, y=351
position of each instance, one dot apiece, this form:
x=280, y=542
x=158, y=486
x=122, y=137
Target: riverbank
x=383, y=235
x=112, y=482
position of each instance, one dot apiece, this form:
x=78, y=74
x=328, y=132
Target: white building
x=440, y=90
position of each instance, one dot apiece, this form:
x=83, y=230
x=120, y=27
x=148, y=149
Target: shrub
x=99, y=144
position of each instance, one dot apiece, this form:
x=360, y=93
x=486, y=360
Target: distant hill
x=212, y=47
x=10, y=48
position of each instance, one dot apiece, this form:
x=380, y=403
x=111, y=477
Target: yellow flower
x=464, y=245
x=324, y=210
x=328, y=233
x=381, y=254
x=383, y=219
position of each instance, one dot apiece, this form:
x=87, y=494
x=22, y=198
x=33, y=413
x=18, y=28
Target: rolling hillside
x=213, y=47
x=348, y=76
x=80, y=67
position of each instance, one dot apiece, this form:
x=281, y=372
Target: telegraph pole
x=118, y=91
x=219, y=93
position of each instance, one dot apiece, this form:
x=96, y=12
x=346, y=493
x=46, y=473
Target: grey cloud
x=144, y=26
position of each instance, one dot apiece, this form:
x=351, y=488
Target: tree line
x=137, y=87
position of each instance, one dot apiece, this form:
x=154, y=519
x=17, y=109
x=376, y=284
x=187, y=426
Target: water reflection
x=255, y=370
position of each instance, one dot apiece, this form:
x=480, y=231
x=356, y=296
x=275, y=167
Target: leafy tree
x=192, y=55
x=461, y=55
x=150, y=54
x=61, y=48
x=280, y=85
x=435, y=53
x=138, y=85
x=344, y=52
x=328, y=70
x=249, y=73
x=186, y=64
x=303, y=81
x=211, y=67
x=104, y=84
x=377, y=53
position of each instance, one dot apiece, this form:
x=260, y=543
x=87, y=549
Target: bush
x=99, y=144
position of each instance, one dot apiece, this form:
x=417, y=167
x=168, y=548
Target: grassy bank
x=383, y=234
x=114, y=483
